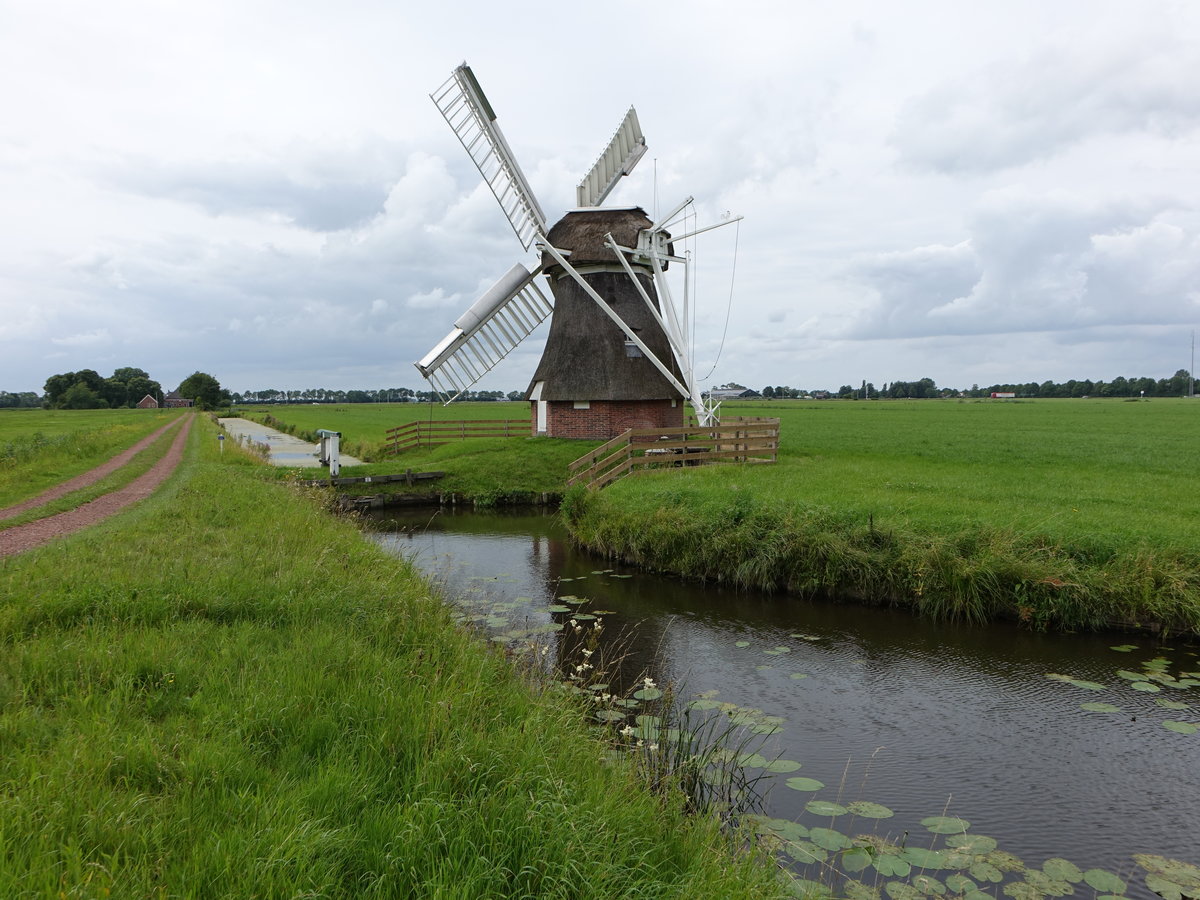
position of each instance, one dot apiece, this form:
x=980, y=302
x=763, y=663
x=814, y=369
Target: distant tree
x=80, y=396
x=114, y=392
x=513, y=395
x=139, y=386
x=204, y=390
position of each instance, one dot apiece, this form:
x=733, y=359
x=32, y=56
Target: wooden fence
x=431, y=434
x=748, y=440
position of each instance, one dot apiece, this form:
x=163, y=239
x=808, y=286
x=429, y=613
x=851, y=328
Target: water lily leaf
x=606, y=612
x=960, y=884
x=572, y=599
x=856, y=890
x=888, y=865
x=610, y=715
x=1159, y=663
x=1060, y=869
x=1005, y=861
x=648, y=693
x=928, y=885
x=869, y=810
x=946, y=824
x=829, y=839
x=805, y=852
x=1047, y=886
x=1022, y=890
x=924, y=858
x=742, y=644
x=806, y=637
x=1088, y=685
x=810, y=890
x=972, y=843
x=1099, y=707
x=628, y=703
x=977, y=895
x=1164, y=887
x=902, y=890
x=622, y=576
x=1181, y=727
x=798, y=783
x=784, y=828
x=704, y=704
x=796, y=676
x=765, y=728
x=1171, y=704
x=1131, y=676
x=752, y=761
x=762, y=668
x=1104, y=882
x=985, y=871
x=1145, y=687
x=558, y=608
x=855, y=859
x=1124, y=648
x=653, y=721
x=780, y=766
x=1188, y=683
x=583, y=617
x=825, y=808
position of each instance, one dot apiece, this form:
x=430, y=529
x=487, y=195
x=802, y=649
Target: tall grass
x=226, y=692
x=1062, y=514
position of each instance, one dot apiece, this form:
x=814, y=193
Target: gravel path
x=25, y=537
x=87, y=478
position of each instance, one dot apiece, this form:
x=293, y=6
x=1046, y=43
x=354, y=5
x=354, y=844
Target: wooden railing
x=748, y=440
x=431, y=434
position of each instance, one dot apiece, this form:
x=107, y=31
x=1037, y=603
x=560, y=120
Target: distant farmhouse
x=147, y=402
x=733, y=394
x=174, y=401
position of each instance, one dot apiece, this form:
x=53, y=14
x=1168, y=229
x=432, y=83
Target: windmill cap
x=582, y=233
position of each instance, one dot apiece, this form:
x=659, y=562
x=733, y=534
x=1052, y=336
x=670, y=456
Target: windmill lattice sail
x=627, y=146
x=462, y=103
x=495, y=324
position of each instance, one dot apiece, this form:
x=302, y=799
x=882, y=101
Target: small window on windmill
x=581, y=404
x=632, y=350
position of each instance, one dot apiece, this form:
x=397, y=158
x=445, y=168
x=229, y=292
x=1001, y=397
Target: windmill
x=616, y=356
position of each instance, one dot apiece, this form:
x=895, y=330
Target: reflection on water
x=926, y=718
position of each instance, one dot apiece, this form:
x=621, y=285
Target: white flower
x=586, y=652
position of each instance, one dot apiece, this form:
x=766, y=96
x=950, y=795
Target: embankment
x=225, y=691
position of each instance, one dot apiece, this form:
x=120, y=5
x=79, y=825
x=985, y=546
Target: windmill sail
x=487, y=332
x=462, y=102
x=627, y=146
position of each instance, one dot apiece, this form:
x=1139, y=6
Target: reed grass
x=223, y=691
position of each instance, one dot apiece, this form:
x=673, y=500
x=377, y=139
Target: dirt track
x=25, y=537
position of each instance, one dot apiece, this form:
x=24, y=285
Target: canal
x=1075, y=747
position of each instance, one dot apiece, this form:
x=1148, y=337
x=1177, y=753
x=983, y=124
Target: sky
x=976, y=193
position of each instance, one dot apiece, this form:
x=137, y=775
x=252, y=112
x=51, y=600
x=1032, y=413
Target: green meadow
x=1062, y=513
x=226, y=692
x=42, y=448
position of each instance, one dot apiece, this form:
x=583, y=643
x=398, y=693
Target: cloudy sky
x=971, y=192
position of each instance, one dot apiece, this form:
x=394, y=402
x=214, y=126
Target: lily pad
x=742, y=644
x=558, y=608
x=1171, y=704
x=1060, y=869
x=752, y=761
x=704, y=703
x=985, y=871
x=1145, y=687
x=928, y=885
x=946, y=824
x=1104, y=882
x=805, y=852
x=648, y=693
x=960, y=884
x=888, y=865
x=1124, y=648
x=780, y=766
x=1099, y=707
x=902, y=890
x=1005, y=861
x=829, y=839
x=924, y=858
x=784, y=828
x=1022, y=890
x=1131, y=676
x=855, y=859
x=799, y=783
x=796, y=676
x=972, y=843
x=610, y=715
x=825, y=808
x=1047, y=886
x=1181, y=727
x=810, y=890
x=869, y=810
x=856, y=890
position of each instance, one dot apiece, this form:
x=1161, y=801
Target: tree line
x=1178, y=385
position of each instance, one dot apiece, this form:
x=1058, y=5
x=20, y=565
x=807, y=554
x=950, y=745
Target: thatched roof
x=582, y=232
x=585, y=356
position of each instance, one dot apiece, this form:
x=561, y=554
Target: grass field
x=42, y=448
x=226, y=692
x=1065, y=513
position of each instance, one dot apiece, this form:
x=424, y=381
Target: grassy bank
x=1066, y=514
x=226, y=692
x=41, y=448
